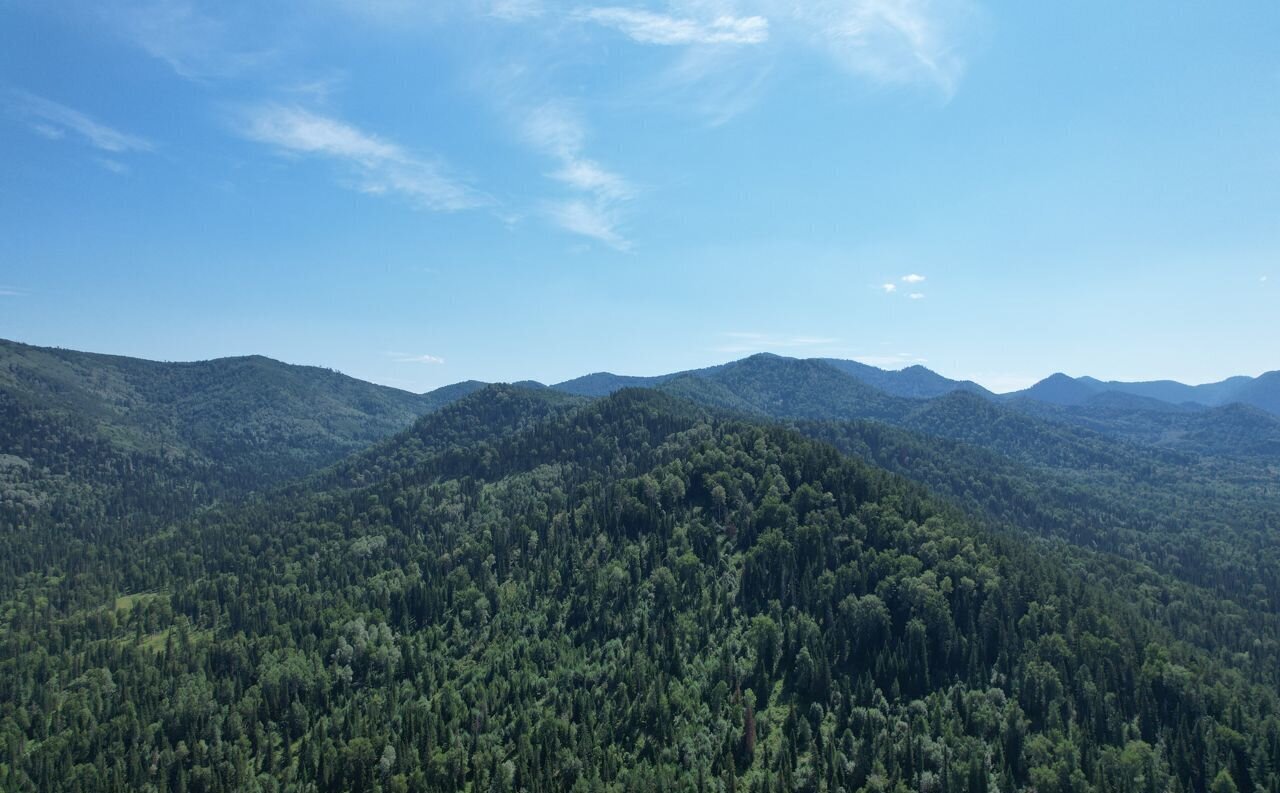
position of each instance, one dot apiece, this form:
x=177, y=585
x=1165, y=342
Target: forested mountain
x=1197, y=516
x=625, y=594
x=600, y=384
x=1233, y=430
x=252, y=414
x=1261, y=392
x=765, y=575
x=74, y=420
x=913, y=381
x=94, y=448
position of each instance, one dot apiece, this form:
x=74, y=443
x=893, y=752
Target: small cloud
x=54, y=121
x=556, y=131
x=1263, y=279
x=515, y=10
x=383, y=166
x=889, y=287
x=115, y=166
x=913, y=278
x=196, y=46
x=400, y=357
x=47, y=131
x=588, y=176
x=891, y=42
x=13, y=291
x=916, y=295
x=588, y=219
x=647, y=27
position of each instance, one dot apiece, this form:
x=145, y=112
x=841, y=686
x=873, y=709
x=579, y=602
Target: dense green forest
x=765, y=576
x=96, y=448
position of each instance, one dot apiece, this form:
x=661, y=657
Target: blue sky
x=420, y=193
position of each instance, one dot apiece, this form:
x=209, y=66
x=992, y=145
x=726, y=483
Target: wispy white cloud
x=13, y=291
x=514, y=10
x=194, y=44
x=889, y=287
x=556, y=131
x=48, y=131
x=916, y=296
x=401, y=357
x=715, y=83
x=589, y=176
x=381, y=166
x=913, y=278
x=55, y=121
x=751, y=341
x=114, y=166
x=588, y=219
x=892, y=42
x=647, y=27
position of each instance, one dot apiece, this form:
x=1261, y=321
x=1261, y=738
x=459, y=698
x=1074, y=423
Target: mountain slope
x=915, y=381
x=94, y=448
x=1235, y=430
x=1261, y=392
x=1208, y=520
x=772, y=385
x=626, y=595
x=600, y=384
x=276, y=419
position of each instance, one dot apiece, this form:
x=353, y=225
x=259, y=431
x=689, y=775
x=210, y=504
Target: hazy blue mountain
x=1233, y=430
x=1262, y=391
x=1217, y=393
x=1059, y=389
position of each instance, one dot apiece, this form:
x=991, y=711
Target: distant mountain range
x=796, y=574
x=292, y=419
x=918, y=382
x=1262, y=391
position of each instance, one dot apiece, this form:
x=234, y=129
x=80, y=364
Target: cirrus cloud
x=400, y=357
x=647, y=27
x=55, y=121
x=381, y=166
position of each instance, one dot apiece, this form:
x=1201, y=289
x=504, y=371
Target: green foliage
x=100, y=450
x=526, y=592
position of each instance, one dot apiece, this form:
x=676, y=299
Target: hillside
x=914, y=381
x=630, y=594
x=1235, y=430
x=1207, y=520
x=96, y=447
x=276, y=419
